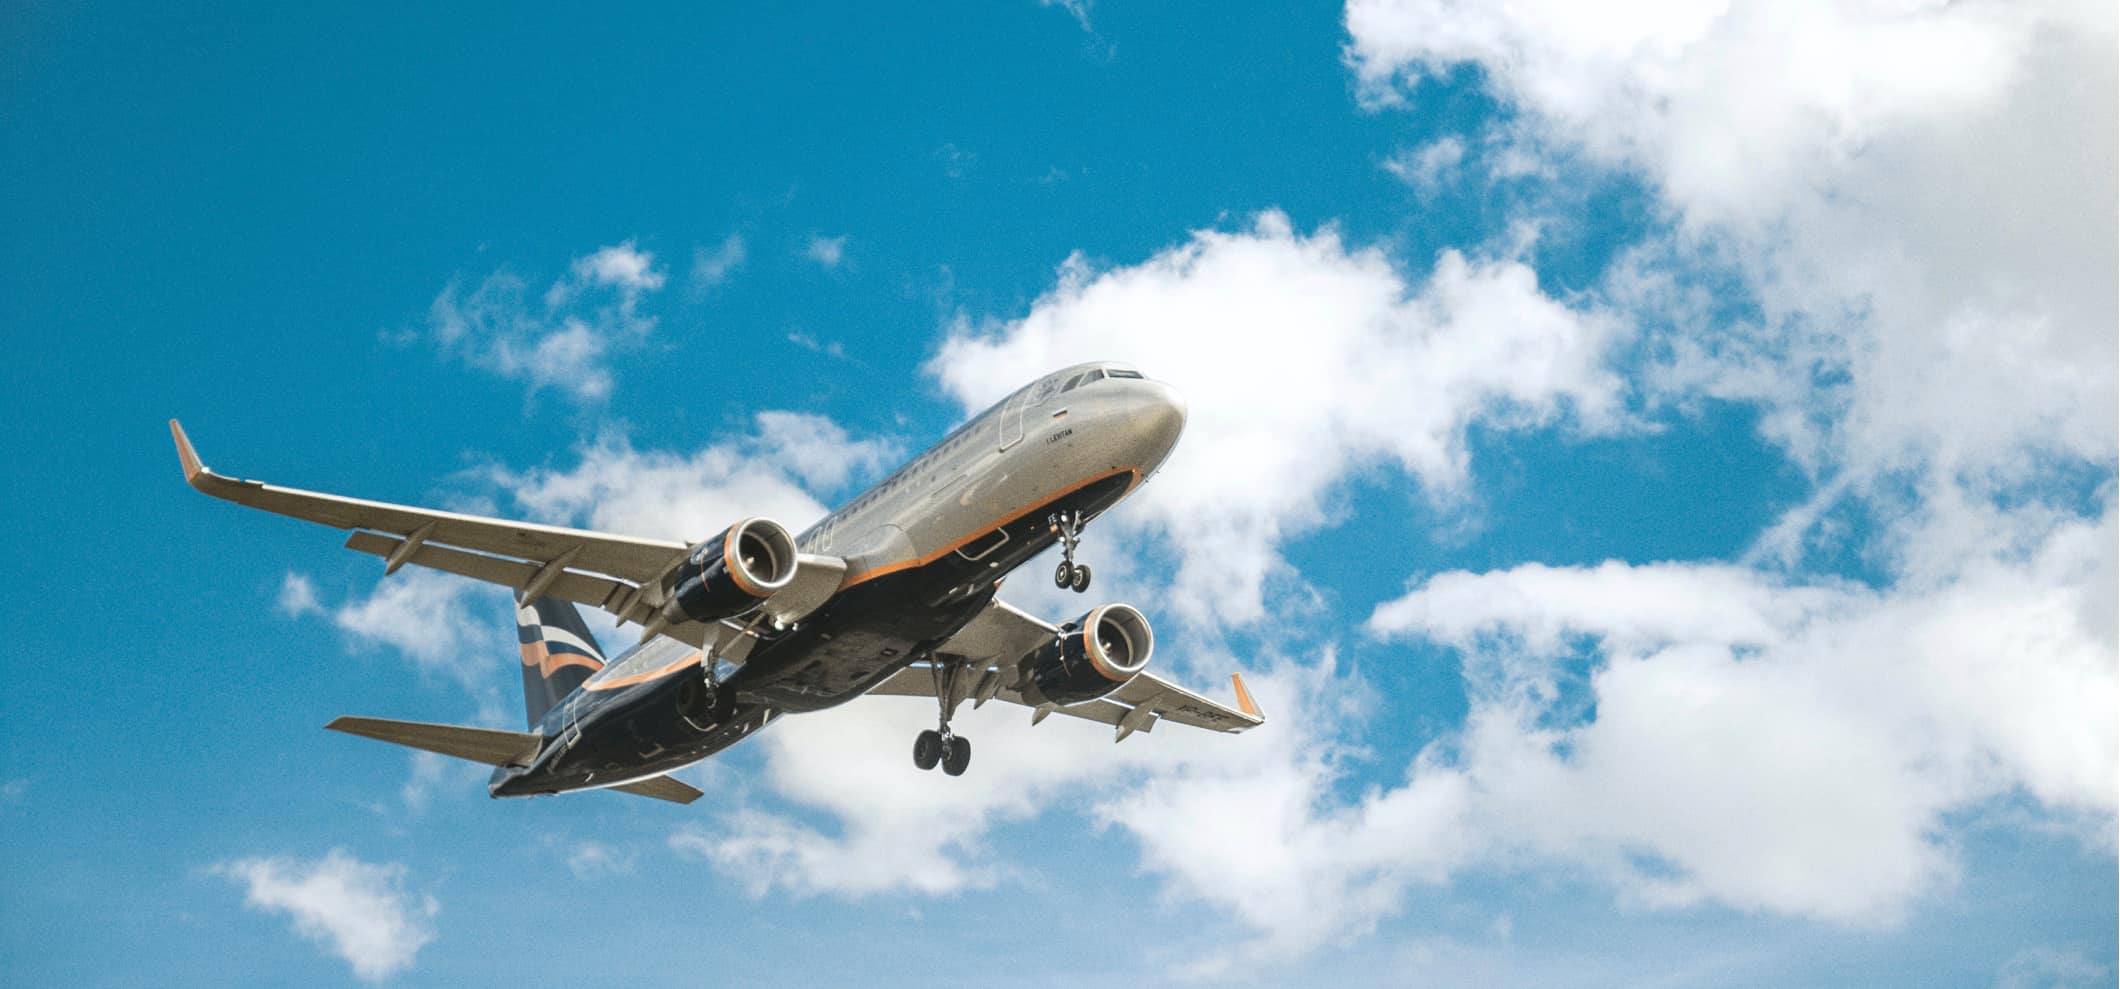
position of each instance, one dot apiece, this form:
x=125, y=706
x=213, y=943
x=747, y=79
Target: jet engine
x=731, y=573
x=1091, y=658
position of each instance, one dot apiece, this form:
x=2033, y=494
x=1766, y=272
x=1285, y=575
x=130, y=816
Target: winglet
x=1244, y=701
x=193, y=469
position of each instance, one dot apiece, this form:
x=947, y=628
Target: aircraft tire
x=1080, y=580
x=959, y=756
x=927, y=749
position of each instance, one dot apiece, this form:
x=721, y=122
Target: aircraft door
x=1012, y=418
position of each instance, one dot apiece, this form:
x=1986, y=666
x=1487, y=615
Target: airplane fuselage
x=926, y=549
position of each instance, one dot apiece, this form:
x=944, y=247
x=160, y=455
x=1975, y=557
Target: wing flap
x=917, y=681
x=1174, y=703
x=487, y=745
x=661, y=788
x=580, y=588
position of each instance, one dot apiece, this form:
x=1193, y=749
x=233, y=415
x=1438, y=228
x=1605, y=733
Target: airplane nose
x=1159, y=417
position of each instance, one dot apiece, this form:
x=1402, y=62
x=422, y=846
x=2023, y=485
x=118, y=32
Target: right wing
x=989, y=645
x=619, y=574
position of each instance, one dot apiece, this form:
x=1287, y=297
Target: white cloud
x=711, y=268
x=616, y=488
x=621, y=265
x=807, y=342
x=298, y=596
x=563, y=341
x=901, y=830
x=1920, y=197
x=447, y=625
x=956, y=162
x=590, y=859
x=2051, y=968
x=1305, y=360
x=432, y=773
x=827, y=251
x=1077, y=9
x=360, y=912
x=1249, y=825
x=1918, y=200
x=1792, y=747
x=1426, y=168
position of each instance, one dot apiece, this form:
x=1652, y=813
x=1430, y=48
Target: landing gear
x=704, y=701
x=1069, y=574
x=940, y=744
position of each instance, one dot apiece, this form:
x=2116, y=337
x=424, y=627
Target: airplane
x=892, y=594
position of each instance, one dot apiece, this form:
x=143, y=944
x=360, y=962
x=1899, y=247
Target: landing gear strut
x=704, y=701
x=1069, y=573
x=939, y=744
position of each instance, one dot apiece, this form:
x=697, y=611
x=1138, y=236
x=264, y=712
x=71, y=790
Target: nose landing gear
x=1069, y=574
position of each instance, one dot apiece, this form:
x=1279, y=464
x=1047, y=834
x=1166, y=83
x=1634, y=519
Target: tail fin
x=558, y=653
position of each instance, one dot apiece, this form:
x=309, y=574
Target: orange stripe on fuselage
x=891, y=568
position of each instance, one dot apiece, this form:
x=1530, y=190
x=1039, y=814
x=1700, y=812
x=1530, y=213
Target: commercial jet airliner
x=891, y=594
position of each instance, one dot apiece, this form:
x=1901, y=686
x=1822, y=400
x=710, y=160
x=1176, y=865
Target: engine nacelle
x=1099, y=655
x=732, y=573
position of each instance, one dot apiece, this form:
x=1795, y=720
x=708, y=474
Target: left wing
x=989, y=646
x=619, y=574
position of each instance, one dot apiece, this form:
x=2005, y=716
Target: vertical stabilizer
x=558, y=653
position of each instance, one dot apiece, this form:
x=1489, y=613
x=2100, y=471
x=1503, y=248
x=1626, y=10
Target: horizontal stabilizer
x=488, y=745
x=661, y=788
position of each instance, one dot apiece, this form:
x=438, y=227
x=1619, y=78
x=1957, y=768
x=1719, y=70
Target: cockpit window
x=1119, y=373
x=1072, y=382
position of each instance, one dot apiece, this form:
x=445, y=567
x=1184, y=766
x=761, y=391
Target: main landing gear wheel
x=1069, y=574
x=927, y=750
x=956, y=756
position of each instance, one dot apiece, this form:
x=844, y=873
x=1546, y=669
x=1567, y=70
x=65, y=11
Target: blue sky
x=1656, y=469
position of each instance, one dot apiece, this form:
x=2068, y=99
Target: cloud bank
x=359, y=911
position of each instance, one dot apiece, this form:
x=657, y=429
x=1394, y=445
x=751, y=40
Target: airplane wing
x=1001, y=634
x=619, y=574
